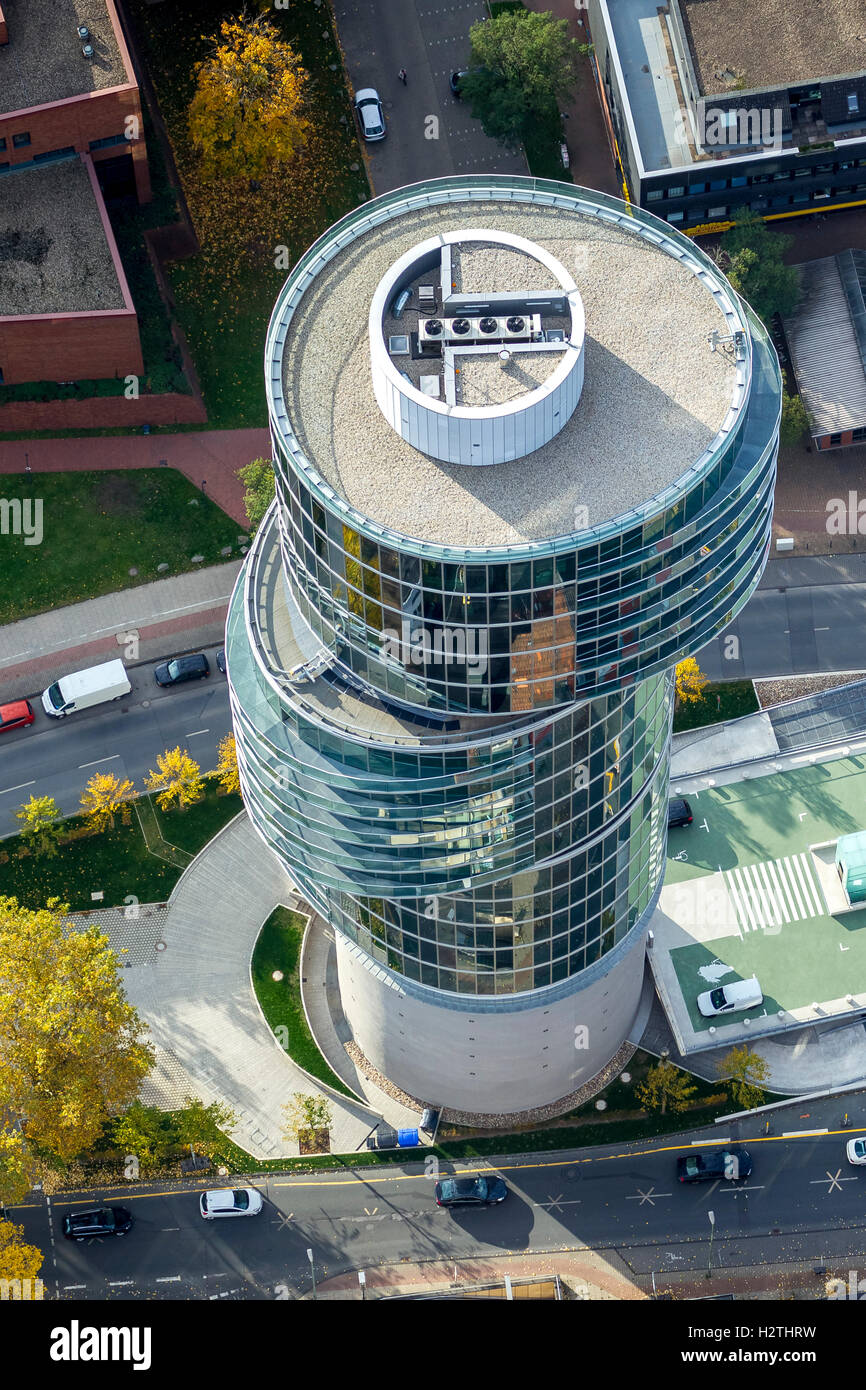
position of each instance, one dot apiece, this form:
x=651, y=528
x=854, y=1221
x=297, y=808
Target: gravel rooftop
x=54, y=258
x=43, y=61
x=483, y=380
x=478, y=267
x=775, y=43
x=654, y=394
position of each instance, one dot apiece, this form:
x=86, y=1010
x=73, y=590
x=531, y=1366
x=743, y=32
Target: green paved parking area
x=755, y=835
x=770, y=817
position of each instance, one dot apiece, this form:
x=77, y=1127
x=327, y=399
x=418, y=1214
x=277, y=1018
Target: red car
x=16, y=715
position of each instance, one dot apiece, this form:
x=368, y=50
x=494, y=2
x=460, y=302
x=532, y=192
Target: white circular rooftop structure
x=477, y=346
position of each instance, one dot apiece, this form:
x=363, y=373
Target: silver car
x=371, y=117
x=230, y=1201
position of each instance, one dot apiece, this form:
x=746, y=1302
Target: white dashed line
x=18, y=788
x=196, y=732
x=109, y=758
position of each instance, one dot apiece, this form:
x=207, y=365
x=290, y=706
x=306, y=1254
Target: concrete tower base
x=491, y=1056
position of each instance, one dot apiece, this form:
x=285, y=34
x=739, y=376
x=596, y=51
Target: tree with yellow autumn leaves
x=72, y=1052
x=178, y=780
x=247, y=114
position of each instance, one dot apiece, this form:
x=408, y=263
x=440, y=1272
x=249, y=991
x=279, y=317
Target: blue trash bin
x=407, y=1138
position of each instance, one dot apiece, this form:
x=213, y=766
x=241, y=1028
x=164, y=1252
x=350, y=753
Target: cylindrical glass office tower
x=525, y=441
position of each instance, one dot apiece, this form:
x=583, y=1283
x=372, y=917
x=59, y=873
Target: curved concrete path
x=197, y=999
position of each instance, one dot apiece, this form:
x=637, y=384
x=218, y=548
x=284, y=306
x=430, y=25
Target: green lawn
x=117, y=862
x=279, y=948
x=98, y=526
x=225, y=295
x=724, y=700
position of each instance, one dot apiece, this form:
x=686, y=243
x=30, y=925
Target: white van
x=731, y=998
x=82, y=689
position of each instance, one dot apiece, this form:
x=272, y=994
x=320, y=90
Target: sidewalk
x=195, y=994
x=204, y=456
x=169, y=615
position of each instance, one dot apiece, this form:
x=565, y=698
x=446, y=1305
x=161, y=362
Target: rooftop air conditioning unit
x=461, y=329
x=431, y=331
x=490, y=327
x=525, y=326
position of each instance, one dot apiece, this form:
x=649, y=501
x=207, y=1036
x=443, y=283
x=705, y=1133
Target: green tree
x=247, y=112
x=522, y=65
x=71, y=1047
x=795, y=420
x=745, y=1070
x=665, y=1085
x=143, y=1132
x=42, y=826
x=203, y=1127
x=259, y=485
x=751, y=257
x=306, y=1115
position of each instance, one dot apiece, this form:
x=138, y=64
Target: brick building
x=67, y=86
x=65, y=307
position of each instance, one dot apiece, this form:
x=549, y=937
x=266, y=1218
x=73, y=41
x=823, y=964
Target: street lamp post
x=312, y=1271
x=712, y=1216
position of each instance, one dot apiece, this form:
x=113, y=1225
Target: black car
x=679, y=812
x=470, y=1192
x=101, y=1221
x=182, y=668
x=221, y=660
x=726, y=1165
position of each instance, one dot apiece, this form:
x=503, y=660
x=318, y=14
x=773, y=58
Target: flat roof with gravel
x=654, y=397
x=54, y=256
x=484, y=265
x=775, y=43
x=43, y=61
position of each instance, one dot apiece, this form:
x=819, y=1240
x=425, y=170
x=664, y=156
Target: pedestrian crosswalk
x=767, y=895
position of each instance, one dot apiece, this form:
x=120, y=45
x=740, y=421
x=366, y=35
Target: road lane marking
x=171, y=1228
x=557, y=1203
x=18, y=788
x=696, y=1143
x=76, y=1286
x=195, y=733
x=168, y=1279
x=758, y=1187
x=109, y=758
x=836, y=1181
x=802, y=1133
x=117, y=1283
x=641, y=1196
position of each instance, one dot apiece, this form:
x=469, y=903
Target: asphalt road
x=56, y=757
x=803, y=1202
x=430, y=134
x=791, y=632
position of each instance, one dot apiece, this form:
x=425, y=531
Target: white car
x=230, y=1201
x=856, y=1150
x=370, y=114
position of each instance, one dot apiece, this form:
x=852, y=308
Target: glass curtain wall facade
x=462, y=754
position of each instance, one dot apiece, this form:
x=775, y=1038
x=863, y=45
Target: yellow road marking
x=479, y=1167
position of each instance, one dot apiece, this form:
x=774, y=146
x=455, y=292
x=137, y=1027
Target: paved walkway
x=196, y=997
x=169, y=615
x=330, y=1029
x=209, y=456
